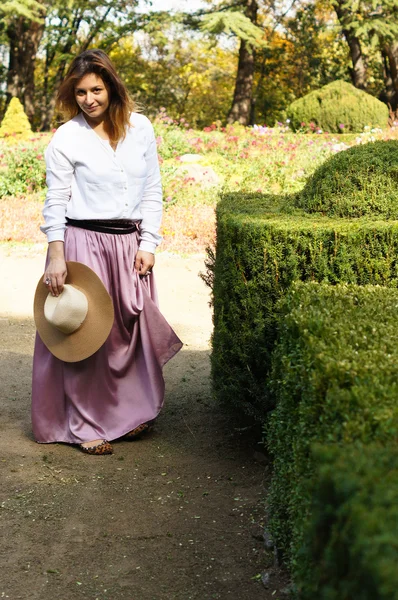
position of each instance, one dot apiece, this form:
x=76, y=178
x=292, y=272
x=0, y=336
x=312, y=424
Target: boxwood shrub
x=335, y=377
x=260, y=252
x=360, y=181
x=338, y=107
x=351, y=545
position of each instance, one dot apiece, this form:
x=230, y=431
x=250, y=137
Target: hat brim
x=95, y=329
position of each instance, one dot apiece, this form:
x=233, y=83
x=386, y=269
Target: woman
x=102, y=165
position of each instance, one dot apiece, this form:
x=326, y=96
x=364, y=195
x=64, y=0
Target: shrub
x=351, y=540
x=15, y=120
x=338, y=107
x=360, y=181
x=25, y=170
x=260, y=252
x=335, y=378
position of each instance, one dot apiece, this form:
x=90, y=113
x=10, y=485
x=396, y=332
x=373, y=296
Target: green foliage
x=15, y=121
x=236, y=23
x=178, y=75
x=335, y=379
x=336, y=107
x=360, y=181
x=260, y=252
x=30, y=9
x=23, y=171
x=351, y=540
x=373, y=20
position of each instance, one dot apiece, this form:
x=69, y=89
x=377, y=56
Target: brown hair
x=120, y=101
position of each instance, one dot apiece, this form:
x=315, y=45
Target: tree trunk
x=390, y=56
x=52, y=85
x=359, y=68
x=24, y=39
x=242, y=103
x=49, y=98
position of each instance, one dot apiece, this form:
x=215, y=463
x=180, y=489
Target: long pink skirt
x=121, y=385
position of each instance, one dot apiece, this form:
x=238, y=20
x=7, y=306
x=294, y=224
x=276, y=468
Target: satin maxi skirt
x=120, y=386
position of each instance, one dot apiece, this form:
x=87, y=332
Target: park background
x=302, y=199
x=189, y=57
x=217, y=78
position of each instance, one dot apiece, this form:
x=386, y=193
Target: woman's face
x=92, y=96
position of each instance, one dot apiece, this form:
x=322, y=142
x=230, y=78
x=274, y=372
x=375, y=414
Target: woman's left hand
x=144, y=262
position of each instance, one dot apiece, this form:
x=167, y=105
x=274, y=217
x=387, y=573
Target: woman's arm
x=151, y=204
x=56, y=269
x=59, y=180
x=151, y=208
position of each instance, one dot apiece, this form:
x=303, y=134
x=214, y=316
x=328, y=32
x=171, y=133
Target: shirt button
x=126, y=204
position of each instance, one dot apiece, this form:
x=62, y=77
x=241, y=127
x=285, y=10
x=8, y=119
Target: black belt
x=119, y=226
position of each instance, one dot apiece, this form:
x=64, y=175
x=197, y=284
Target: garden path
x=175, y=516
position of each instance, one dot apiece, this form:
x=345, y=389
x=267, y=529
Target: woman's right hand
x=56, y=270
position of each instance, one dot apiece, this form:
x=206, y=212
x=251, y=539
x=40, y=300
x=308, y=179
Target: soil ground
x=177, y=515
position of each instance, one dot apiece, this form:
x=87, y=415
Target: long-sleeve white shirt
x=87, y=179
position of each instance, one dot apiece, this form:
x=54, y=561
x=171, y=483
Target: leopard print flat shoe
x=134, y=434
x=103, y=448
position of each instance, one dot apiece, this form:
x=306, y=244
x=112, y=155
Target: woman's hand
x=55, y=275
x=144, y=262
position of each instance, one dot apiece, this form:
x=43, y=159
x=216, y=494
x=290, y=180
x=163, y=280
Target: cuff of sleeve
x=147, y=246
x=56, y=236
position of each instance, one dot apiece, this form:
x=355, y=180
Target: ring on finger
x=47, y=281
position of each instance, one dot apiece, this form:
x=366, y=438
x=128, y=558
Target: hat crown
x=67, y=311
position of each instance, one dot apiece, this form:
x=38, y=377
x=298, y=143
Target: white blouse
x=87, y=179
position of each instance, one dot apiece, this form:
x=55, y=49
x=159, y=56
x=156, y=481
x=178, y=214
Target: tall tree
x=345, y=16
x=22, y=22
x=239, y=19
x=242, y=103
x=390, y=63
x=24, y=38
x=372, y=22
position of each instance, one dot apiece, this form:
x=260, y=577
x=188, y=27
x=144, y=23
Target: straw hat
x=75, y=324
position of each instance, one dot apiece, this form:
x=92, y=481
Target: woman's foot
x=134, y=434
x=96, y=447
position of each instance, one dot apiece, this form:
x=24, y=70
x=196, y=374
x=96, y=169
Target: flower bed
x=258, y=159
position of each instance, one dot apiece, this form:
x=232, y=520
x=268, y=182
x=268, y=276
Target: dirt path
x=175, y=516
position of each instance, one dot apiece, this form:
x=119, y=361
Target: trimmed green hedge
x=260, y=252
x=335, y=378
x=338, y=107
x=360, y=181
x=351, y=541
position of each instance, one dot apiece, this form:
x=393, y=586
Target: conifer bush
x=338, y=107
x=15, y=121
x=261, y=251
x=362, y=180
x=335, y=380
x=351, y=540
